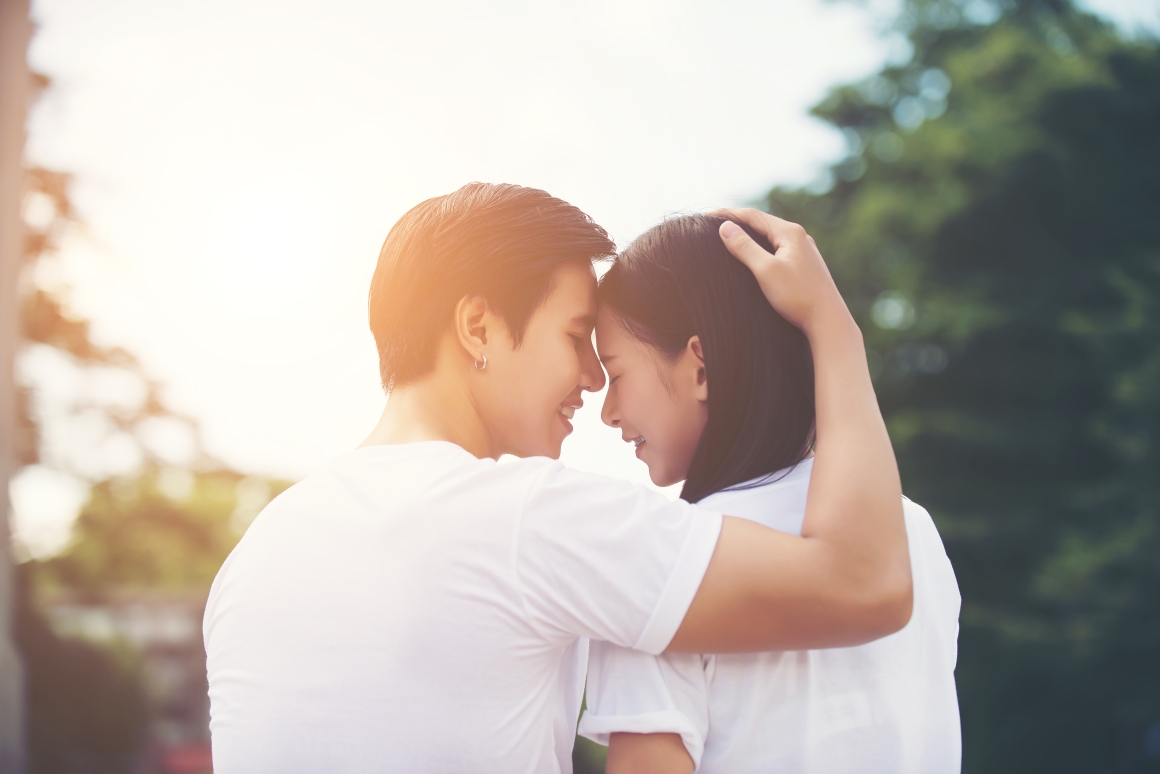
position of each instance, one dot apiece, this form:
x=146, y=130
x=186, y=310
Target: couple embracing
x=420, y=605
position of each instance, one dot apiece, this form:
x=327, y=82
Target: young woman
x=716, y=389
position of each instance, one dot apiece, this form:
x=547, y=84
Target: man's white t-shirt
x=887, y=707
x=414, y=608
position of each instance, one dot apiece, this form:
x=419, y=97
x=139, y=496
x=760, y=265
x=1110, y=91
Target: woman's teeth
x=568, y=411
x=638, y=441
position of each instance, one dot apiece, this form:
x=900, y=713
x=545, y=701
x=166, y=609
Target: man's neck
x=437, y=407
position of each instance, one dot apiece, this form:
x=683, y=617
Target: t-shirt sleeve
x=610, y=560
x=633, y=692
x=936, y=588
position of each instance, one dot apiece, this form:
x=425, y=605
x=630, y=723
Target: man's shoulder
x=555, y=484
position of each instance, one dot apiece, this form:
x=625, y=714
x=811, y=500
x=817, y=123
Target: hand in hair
x=794, y=277
x=846, y=580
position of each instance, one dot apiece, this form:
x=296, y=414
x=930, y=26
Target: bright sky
x=238, y=163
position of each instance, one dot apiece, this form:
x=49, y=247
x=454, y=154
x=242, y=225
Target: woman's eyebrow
x=606, y=358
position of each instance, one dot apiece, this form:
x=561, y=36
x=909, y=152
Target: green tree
x=996, y=228
x=161, y=526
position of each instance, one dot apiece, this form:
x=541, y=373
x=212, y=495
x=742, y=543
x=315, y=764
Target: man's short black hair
x=501, y=242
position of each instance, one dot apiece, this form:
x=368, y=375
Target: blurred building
x=15, y=90
x=161, y=633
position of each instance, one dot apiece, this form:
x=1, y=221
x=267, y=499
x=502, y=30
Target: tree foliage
x=48, y=321
x=158, y=525
x=163, y=529
x=996, y=229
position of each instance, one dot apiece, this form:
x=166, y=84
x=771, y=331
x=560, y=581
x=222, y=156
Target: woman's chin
x=661, y=477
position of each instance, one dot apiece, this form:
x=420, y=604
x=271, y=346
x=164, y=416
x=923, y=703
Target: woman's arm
x=647, y=754
x=846, y=580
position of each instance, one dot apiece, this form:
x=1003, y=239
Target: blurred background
x=192, y=197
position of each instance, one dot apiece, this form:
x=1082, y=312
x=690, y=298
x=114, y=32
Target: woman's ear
x=472, y=317
x=697, y=360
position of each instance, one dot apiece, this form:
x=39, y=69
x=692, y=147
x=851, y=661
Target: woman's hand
x=848, y=577
x=794, y=277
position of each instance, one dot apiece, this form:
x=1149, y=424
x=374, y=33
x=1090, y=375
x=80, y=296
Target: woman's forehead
x=606, y=324
x=612, y=340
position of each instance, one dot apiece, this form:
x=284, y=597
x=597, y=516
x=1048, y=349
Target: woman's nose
x=608, y=411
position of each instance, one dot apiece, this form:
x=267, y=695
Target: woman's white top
x=888, y=706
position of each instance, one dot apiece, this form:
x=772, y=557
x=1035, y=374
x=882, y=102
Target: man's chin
x=549, y=448
x=553, y=446
x=552, y=449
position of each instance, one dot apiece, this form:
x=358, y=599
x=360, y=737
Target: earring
x=479, y=367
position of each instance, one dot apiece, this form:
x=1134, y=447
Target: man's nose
x=591, y=372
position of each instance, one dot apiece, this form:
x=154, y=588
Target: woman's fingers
x=779, y=232
x=743, y=247
x=794, y=277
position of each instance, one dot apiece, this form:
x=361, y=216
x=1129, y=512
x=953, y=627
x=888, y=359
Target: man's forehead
x=574, y=295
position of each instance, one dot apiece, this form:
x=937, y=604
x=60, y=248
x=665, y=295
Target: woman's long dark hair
x=676, y=281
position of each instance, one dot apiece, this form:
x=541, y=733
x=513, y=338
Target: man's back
x=414, y=606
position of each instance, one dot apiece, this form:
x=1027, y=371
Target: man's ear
x=697, y=359
x=472, y=320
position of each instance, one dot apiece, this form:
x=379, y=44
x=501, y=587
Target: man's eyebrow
x=587, y=320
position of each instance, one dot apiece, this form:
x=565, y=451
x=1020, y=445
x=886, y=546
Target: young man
x=418, y=606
